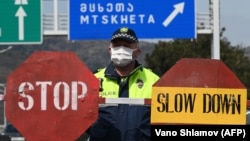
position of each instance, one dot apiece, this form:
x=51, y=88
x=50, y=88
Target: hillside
x=93, y=53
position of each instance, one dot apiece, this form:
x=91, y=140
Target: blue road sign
x=161, y=19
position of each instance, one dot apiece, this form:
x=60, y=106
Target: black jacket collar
x=112, y=74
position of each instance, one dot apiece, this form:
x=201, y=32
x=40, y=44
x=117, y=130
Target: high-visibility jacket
x=124, y=122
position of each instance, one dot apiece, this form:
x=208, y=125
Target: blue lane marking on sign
x=161, y=19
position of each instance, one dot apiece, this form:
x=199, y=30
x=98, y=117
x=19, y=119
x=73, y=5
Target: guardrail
x=51, y=27
x=204, y=24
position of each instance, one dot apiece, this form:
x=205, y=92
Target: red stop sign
x=52, y=96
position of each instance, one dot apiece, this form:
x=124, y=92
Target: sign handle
x=131, y=101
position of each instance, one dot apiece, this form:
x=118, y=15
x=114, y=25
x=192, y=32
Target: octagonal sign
x=52, y=96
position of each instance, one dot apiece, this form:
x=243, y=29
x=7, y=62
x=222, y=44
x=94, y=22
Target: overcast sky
x=235, y=17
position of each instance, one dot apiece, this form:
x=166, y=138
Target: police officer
x=123, y=77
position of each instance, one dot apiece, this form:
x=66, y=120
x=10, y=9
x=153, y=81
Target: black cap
x=126, y=34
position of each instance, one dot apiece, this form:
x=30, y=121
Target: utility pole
x=214, y=7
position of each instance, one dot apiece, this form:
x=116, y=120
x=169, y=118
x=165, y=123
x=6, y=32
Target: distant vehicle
x=11, y=131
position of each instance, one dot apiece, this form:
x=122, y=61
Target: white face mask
x=121, y=56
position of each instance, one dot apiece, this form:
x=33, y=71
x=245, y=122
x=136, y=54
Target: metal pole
x=55, y=15
x=215, y=49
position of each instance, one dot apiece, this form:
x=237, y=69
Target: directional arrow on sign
x=178, y=8
x=21, y=14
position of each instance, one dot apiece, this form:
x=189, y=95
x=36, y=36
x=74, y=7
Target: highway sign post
x=20, y=22
x=52, y=96
x=97, y=19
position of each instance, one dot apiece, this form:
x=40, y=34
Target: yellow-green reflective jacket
x=140, y=83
